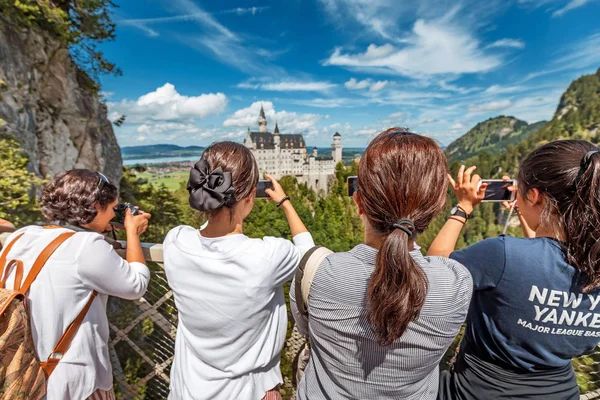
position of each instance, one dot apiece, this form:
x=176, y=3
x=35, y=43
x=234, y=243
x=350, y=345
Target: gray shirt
x=346, y=362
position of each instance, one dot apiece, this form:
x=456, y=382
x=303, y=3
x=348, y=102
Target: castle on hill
x=279, y=154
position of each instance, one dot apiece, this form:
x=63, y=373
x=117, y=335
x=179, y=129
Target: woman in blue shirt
x=536, y=300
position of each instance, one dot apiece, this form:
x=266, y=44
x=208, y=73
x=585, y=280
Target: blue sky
x=197, y=71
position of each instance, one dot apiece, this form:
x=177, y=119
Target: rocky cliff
x=46, y=104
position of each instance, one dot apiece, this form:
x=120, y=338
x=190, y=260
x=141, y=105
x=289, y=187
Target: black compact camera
x=121, y=211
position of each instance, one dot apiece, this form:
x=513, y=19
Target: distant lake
x=157, y=160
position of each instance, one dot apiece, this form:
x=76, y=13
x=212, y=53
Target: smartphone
x=261, y=187
x=352, y=185
x=497, y=190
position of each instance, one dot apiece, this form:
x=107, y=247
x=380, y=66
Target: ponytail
x=400, y=175
x=582, y=222
x=567, y=174
x=397, y=289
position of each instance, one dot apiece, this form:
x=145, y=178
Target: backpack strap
x=65, y=340
x=5, y=255
x=18, y=264
x=305, y=274
x=42, y=258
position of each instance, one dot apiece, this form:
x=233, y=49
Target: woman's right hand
x=509, y=204
x=467, y=189
x=136, y=224
x=276, y=194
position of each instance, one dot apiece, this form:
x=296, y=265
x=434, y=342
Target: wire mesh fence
x=143, y=343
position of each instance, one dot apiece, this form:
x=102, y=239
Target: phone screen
x=498, y=190
x=352, y=185
x=261, y=187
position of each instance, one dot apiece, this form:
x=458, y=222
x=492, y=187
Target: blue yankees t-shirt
x=527, y=310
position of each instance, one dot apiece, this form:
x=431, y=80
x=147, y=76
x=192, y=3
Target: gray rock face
x=46, y=107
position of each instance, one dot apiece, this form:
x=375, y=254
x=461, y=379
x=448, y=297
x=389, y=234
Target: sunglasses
x=103, y=180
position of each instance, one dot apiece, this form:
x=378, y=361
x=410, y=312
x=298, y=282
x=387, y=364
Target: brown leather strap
x=18, y=264
x=65, y=341
x=5, y=253
x=42, y=258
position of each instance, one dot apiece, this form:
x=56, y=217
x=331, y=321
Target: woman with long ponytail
x=536, y=301
x=382, y=315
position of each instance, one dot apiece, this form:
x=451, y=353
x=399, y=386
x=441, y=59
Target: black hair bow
x=209, y=190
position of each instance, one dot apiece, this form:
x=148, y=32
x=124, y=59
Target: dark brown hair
x=401, y=175
x=71, y=195
x=239, y=161
x=570, y=182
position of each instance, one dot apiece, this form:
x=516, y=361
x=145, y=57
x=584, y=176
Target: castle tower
x=336, y=148
x=262, y=121
x=315, y=151
x=276, y=137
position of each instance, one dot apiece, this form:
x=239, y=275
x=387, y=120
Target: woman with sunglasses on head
x=76, y=281
x=535, y=302
x=381, y=316
x=228, y=288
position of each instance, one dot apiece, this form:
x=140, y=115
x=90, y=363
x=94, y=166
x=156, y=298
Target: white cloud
x=373, y=86
x=573, y=4
x=457, y=126
x=435, y=47
x=288, y=86
x=354, y=84
x=497, y=89
x=378, y=86
x=397, y=115
x=512, y=43
x=491, y=106
x=213, y=38
x=244, y=10
x=367, y=130
x=291, y=122
x=167, y=127
x=377, y=16
x=166, y=104
x=337, y=102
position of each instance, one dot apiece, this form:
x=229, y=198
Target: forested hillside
x=492, y=135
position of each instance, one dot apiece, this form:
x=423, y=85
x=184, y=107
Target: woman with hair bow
x=228, y=287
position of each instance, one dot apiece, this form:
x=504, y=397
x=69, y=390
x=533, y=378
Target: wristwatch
x=458, y=210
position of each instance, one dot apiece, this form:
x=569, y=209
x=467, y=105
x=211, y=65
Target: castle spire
x=262, y=120
x=262, y=112
x=276, y=131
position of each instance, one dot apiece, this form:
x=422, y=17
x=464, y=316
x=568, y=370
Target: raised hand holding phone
x=261, y=188
x=468, y=189
x=275, y=192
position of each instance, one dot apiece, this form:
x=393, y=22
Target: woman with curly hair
x=78, y=277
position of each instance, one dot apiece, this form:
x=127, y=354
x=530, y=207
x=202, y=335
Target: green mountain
x=492, y=135
x=578, y=113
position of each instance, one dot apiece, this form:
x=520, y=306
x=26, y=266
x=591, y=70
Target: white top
x=232, y=313
x=83, y=263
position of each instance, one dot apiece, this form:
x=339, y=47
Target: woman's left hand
x=467, y=188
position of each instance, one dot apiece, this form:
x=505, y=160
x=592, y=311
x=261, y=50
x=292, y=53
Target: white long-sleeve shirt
x=83, y=263
x=232, y=313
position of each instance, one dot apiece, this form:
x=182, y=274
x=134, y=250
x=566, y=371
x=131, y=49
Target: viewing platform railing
x=142, y=340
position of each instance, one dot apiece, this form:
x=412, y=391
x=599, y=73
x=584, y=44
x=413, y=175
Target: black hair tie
x=406, y=225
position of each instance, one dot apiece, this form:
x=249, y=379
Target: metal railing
x=142, y=341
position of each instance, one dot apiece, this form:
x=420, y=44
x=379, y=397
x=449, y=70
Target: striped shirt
x=346, y=362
